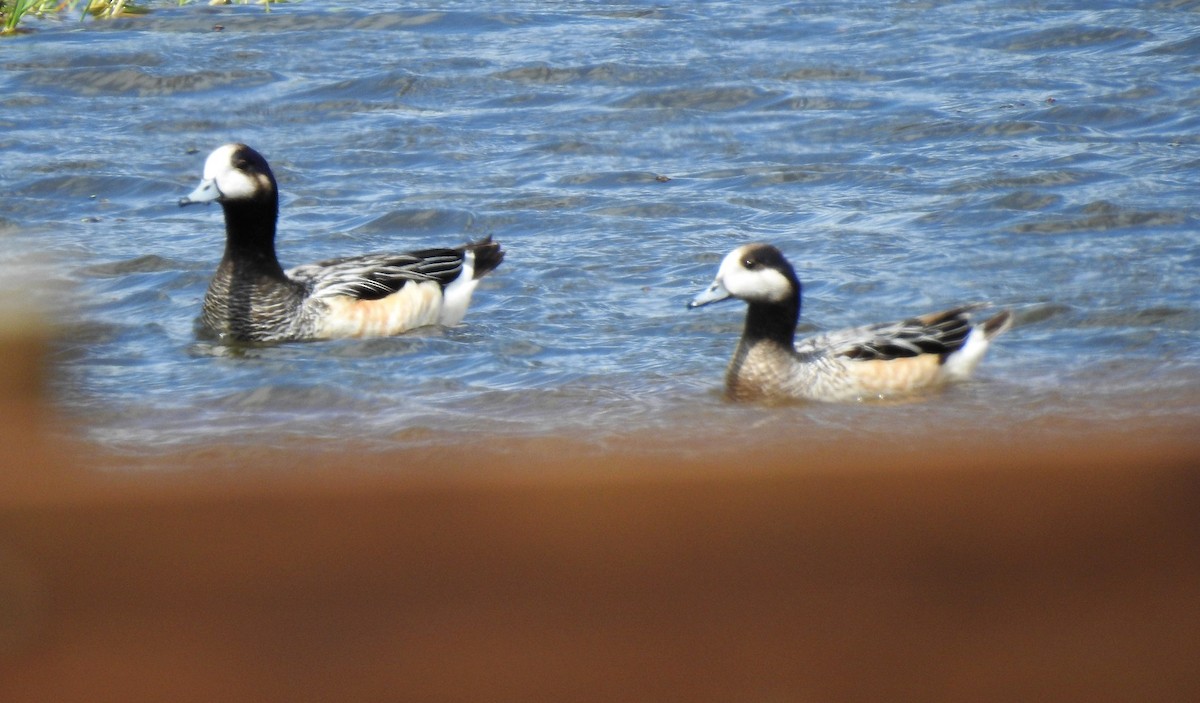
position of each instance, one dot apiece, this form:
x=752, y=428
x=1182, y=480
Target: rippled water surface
x=906, y=155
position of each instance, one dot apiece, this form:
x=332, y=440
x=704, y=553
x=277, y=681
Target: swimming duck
x=252, y=299
x=874, y=361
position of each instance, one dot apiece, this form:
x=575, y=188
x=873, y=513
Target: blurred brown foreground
x=547, y=571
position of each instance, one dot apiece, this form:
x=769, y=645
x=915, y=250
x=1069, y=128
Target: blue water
x=907, y=156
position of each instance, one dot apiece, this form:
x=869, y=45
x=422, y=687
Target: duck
x=252, y=299
x=871, y=362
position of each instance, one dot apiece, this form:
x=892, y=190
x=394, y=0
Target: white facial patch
x=219, y=161
x=233, y=183
x=761, y=283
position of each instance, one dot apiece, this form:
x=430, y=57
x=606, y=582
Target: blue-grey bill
x=714, y=293
x=206, y=192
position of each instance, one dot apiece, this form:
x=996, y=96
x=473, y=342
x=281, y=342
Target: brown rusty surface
x=547, y=570
x=548, y=575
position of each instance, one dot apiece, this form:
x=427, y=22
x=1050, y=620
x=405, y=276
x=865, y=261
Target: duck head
x=755, y=273
x=234, y=173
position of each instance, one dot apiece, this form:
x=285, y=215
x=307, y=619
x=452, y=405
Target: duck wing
x=941, y=333
x=376, y=276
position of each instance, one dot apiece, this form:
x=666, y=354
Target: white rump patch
x=457, y=295
x=959, y=365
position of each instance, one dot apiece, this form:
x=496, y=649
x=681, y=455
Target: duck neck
x=773, y=322
x=250, y=238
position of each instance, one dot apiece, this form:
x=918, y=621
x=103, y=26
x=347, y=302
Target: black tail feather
x=488, y=255
x=997, y=324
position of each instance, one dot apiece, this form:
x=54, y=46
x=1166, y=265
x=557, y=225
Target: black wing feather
x=377, y=276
